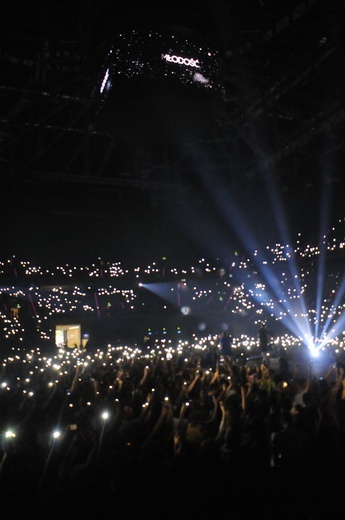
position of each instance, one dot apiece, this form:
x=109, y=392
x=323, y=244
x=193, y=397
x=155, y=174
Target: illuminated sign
x=189, y=62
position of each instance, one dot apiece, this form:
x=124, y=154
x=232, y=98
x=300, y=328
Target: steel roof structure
x=282, y=122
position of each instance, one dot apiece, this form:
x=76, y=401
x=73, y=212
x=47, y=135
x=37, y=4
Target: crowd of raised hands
x=154, y=424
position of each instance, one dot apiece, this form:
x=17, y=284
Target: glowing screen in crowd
x=68, y=336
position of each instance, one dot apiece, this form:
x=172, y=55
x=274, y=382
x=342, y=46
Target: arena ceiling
x=282, y=118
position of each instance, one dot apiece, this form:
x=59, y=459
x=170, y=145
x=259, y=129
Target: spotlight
x=314, y=352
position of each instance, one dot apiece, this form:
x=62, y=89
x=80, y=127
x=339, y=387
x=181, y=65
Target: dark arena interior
x=170, y=173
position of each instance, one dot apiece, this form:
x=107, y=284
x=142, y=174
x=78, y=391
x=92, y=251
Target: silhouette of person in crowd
x=225, y=344
x=264, y=337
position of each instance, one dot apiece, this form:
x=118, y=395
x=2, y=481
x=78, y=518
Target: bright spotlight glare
x=314, y=352
x=105, y=416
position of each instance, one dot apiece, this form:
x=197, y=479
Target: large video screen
x=142, y=71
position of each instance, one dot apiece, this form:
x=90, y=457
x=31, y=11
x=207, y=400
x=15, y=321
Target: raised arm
x=338, y=382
